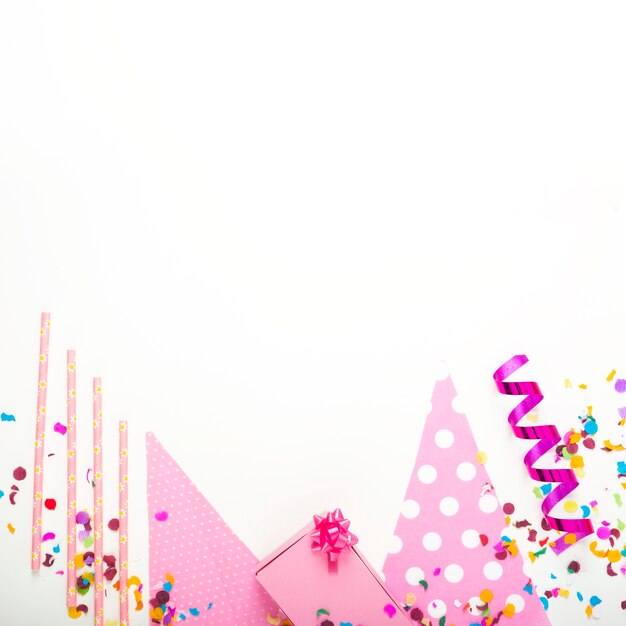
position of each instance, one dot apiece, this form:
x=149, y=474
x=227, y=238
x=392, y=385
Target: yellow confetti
x=609, y=378
x=79, y=561
x=272, y=620
x=588, y=610
x=614, y=556
x=590, y=411
x=170, y=579
x=111, y=622
x=570, y=539
x=481, y=457
x=410, y=599
x=73, y=612
x=611, y=446
x=570, y=506
x=486, y=595
x=532, y=417
x=509, y=610
x=564, y=593
x=583, y=386
x=568, y=383
x=577, y=461
x=11, y=528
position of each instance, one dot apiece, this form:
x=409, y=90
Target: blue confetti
x=194, y=611
x=621, y=467
x=591, y=427
x=528, y=589
x=56, y=549
x=1, y=493
x=586, y=510
x=7, y=418
x=167, y=586
x=579, y=596
x=594, y=601
x=553, y=576
x=546, y=489
x=182, y=616
x=210, y=606
x=544, y=601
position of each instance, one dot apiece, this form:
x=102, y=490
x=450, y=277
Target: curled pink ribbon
x=331, y=537
x=548, y=437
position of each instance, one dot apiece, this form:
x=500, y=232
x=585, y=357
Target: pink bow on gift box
x=331, y=536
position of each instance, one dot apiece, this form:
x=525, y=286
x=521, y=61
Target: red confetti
x=114, y=524
x=50, y=504
x=19, y=473
x=484, y=539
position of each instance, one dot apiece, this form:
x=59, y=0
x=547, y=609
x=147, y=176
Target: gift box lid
x=309, y=593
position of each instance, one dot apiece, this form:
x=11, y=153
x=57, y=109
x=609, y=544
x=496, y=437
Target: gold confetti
x=481, y=457
x=609, y=378
x=11, y=528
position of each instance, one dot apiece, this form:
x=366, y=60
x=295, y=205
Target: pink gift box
x=302, y=584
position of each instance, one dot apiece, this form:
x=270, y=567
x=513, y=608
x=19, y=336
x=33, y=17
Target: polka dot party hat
x=443, y=562
x=198, y=566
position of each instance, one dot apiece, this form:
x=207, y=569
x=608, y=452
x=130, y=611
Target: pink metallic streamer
x=548, y=437
x=331, y=537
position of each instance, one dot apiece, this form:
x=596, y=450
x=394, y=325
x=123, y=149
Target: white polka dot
x=410, y=509
x=414, y=575
x=457, y=405
x=470, y=538
x=488, y=503
x=431, y=541
x=453, y=573
x=395, y=545
x=492, y=570
x=437, y=608
x=427, y=474
x=444, y=438
x=517, y=601
x=474, y=605
x=449, y=506
x=466, y=470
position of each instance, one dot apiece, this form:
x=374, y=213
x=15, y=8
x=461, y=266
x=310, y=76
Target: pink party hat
x=190, y=544
x=443, y=562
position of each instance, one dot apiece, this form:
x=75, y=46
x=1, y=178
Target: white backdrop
x=258, y=221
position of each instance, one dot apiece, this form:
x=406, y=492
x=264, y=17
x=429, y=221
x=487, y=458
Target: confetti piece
x=11, y=528
x=19, y=473
x=56, y=549
x=49, y=560
x=583, y=386
x=82, y=517
x=73, y=612
x=7, y=418
x=1, y=494
x=620, y=385
x=390, y=610
x=48, y=537
x=567, y=383
x=194, y=611
x=609, y=378
x=114, y=524
x=59, y=428
x=50, y=504
x=481, y=457
x=570, y=506
x=162, y=516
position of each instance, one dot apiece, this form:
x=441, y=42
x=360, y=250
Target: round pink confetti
x=161, y=516
x=603, y=532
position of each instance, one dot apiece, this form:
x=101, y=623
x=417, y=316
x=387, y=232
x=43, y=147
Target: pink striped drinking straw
x=71, y=478
x=97, y=503
x=40, y=433
x=123, y=529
